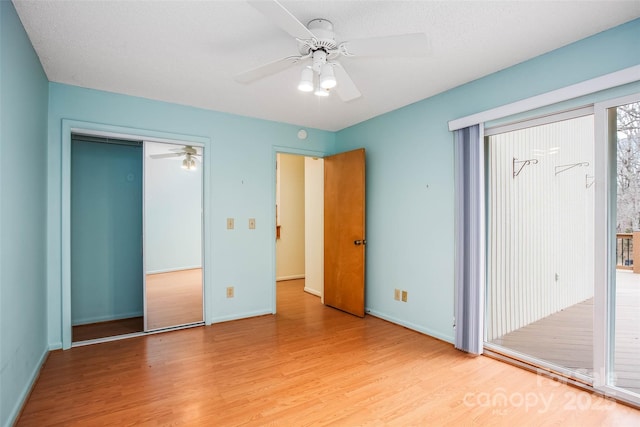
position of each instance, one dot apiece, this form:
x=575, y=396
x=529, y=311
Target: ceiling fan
x=318, y=51
x=190, y=155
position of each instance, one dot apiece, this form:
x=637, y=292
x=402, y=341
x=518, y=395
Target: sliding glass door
x=540, y=223
x=563, y=244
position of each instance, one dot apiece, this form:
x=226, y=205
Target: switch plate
x=396, y=294
x=404, y=296
x=229, y=223
x=252, y=223
x=230, y=292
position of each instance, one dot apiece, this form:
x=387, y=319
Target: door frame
x=103, y=130
x=272, y=211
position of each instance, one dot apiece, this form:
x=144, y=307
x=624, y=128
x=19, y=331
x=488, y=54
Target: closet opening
x=135, y=237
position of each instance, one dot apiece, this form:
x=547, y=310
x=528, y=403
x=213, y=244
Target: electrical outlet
x=252, y=223
x=404, y=296
x=396, y=294
x=230, y=292
x=229, y=223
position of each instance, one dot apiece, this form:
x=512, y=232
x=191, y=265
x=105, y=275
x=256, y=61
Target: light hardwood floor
x=173, y=298
x=110, y=328
x=307, y=365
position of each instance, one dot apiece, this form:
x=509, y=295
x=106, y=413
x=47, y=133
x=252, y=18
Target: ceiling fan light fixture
x=189, y=163
x=327, y=77
x=321, y=92
x=306, y=80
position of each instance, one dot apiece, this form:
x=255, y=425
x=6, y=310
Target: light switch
x=229, y=223
x=252, y=223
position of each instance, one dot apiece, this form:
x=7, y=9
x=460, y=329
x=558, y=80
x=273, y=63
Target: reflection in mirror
x=172, y=235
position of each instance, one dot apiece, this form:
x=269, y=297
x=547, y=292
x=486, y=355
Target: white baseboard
x=247, y=315
x=312, y=291
x=15, y=412
x=106, y=318
x=55, y=346
x=171, y=270
x=412, y=326
x=292, y=277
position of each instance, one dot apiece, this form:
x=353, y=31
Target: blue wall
x=242, y=167
x=23, y=173
x=410, y=199
x=106, y=232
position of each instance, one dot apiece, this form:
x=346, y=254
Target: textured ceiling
x=188, y=52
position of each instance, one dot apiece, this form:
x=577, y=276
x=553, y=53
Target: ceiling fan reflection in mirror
x=189, y=153
x=319, y=51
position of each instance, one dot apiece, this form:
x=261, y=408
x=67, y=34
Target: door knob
x=359, y=242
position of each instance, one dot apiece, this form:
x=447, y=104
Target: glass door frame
x=604, y=263
x=563, y=373
x=605, y=168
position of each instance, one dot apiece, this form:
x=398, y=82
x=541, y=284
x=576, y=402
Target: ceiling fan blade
x=194, y=151
x=280, y=16
x=346, y=88
x=405, y=45
x=267, y=69
x=165, y=156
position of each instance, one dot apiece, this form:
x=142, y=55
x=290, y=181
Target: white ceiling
x=187, y=52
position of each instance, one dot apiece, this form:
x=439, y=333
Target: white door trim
x=99, y=129
x=607, y=81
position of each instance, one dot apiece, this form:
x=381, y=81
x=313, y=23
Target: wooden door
x=344, y=233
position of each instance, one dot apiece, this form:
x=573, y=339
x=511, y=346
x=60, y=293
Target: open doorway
x=299, y=226
x=106, y=229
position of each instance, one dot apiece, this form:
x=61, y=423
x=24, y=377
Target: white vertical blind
x=540, y=223
x=469, y=239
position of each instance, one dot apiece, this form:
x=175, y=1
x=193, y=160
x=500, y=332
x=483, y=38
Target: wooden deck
x=566, y=338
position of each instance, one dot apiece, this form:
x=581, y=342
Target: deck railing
x=625, y=258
